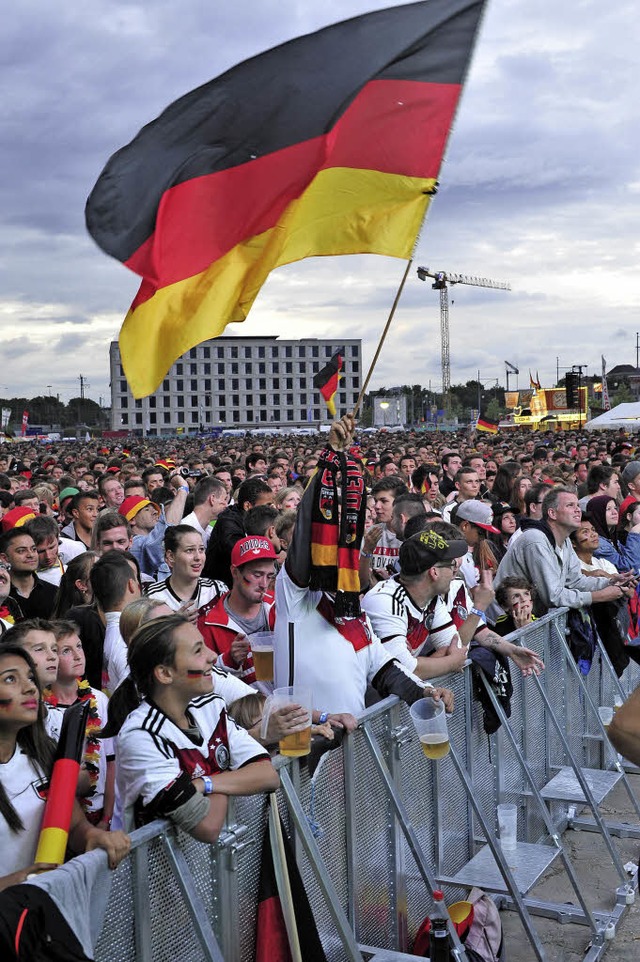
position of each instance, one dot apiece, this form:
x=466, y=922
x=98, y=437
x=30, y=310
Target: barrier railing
x=374, y=828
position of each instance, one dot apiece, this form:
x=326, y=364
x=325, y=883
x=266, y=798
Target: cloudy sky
x=540, y=187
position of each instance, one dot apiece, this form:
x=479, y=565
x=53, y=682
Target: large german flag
x=328, y=144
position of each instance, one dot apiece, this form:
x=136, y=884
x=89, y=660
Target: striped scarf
x=337, y=528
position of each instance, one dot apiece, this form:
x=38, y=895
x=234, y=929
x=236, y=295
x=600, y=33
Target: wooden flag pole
x=382, y=339
x=283, y=883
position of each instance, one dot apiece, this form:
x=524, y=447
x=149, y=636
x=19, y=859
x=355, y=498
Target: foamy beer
x=430, y=722
x=262, y=652
x=298, y=741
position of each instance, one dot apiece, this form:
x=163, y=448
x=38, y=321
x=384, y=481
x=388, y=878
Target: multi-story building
x=237, y=382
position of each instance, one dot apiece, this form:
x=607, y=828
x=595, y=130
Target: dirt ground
x=591, y=861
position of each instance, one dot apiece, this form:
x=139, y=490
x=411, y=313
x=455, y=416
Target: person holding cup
x=323, y=640
x=179, y=754
x=228, y=625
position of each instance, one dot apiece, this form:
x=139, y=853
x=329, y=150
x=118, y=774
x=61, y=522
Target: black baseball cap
x=427, y=548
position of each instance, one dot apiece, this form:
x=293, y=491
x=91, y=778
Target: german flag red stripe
x=233, y=178
x=483, y=424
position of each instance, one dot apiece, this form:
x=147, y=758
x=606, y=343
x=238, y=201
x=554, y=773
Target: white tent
x=622, y=416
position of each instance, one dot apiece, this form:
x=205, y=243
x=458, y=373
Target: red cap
x=253, y=548
x=626, y=503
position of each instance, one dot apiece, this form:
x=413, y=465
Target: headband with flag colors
x=328, y=144
x=328, y=378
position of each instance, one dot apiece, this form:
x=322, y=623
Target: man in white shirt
x=210, y=497
x=408, y=612
x=335, y=656
x=54, y=552
x=114, y=579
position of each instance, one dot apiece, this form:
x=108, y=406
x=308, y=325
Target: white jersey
x=53, y=575
x=309, y=650
x=114, y=654
x=230, y=689
x=385, y=553
x=192, y=521
x=24, y=785
x=406, y=630
x=68, y=549
x=152, y=751
x=205, y=591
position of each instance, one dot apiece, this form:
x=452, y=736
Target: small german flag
x=483, y=424
x=56, y=821
x=329, y=144
x=328, y=378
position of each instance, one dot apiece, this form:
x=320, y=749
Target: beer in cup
x=430, y=722
x=297, y=742
x=606, y=716
x=262, y=652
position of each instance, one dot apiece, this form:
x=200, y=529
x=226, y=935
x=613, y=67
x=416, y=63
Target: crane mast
x=442, y=280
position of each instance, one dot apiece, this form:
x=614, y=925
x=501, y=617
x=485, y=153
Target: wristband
x=477, y=613
x=366, y=554
x=323, y=717
x=185, y=489
x=208, y=785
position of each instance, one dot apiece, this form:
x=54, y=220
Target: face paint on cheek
x=192, y=673
x=5, y=702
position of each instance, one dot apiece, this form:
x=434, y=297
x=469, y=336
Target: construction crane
x=442, y=280
x=510, y=369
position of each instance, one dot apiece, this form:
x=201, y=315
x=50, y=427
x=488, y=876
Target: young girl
x=69, y=688
x=26, y=759
x=621, y=553
x=178, y=753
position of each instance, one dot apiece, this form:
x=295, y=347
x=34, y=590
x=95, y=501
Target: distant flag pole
x=606, y=403
x=328, y=378
x=329, y=144
x=56, y=821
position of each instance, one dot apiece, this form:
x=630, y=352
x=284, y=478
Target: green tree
x=493, y=411
x=622, y=396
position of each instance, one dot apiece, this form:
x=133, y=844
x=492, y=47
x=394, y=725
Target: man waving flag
x=328, y=144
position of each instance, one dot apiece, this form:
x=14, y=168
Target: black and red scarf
x=337, y=528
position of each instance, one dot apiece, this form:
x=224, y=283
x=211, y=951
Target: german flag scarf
x=337, y=528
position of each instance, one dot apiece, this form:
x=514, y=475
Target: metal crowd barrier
x=379, y=825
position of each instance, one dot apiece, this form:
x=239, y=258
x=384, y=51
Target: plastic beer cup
x=508, y=826
x=430, y=722
x=298, y=743
x=262, y=652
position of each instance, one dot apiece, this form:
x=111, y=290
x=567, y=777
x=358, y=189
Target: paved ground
x=568, y=943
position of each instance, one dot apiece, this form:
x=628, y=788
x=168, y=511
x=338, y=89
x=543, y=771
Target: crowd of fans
x=134, y=578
